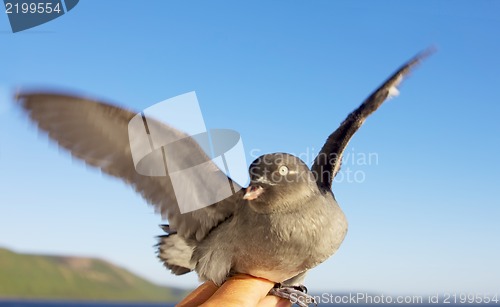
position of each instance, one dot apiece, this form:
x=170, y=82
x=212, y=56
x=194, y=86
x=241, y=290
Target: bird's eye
x=283, y=170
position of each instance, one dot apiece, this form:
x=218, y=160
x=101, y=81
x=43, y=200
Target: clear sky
x=423, y=212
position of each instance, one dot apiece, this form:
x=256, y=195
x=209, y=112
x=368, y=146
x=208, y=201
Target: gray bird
x=284, y=223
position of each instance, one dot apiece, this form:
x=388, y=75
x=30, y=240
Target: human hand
x=239, y=290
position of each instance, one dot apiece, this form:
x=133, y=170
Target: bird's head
x=278, y=182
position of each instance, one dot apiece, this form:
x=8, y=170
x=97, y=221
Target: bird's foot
x=295, y=294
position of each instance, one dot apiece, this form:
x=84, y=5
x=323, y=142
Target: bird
x=284, y=223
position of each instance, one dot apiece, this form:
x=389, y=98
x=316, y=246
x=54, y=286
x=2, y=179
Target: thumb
x=246, y=291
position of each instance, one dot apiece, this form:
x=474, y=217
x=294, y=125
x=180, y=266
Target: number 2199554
x=33, y=8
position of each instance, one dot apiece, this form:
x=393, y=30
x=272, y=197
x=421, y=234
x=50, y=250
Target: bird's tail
x=174, y=252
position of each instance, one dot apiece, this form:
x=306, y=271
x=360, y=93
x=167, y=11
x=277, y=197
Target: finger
x=240, y=290
x=199, y=296
x=274, y=301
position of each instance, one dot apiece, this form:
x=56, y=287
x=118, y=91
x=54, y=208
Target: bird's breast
x=281, y=245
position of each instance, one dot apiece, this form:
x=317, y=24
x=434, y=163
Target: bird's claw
x=295, y=294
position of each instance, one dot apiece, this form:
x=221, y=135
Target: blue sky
x=424, y=217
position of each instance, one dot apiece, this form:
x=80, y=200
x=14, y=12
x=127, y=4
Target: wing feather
x=97, y=133
x=328, y=162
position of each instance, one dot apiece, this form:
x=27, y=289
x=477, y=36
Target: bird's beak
x=252, y=192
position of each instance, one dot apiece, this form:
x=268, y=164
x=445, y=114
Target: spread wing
x=98, y=133
x=328, y=162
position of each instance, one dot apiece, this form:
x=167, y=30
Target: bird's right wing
x=327, y=163
x=98, y=133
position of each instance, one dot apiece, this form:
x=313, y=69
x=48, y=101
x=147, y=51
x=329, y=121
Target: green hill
x=54, y=277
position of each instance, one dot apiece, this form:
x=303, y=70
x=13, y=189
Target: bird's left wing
x=98, y=133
